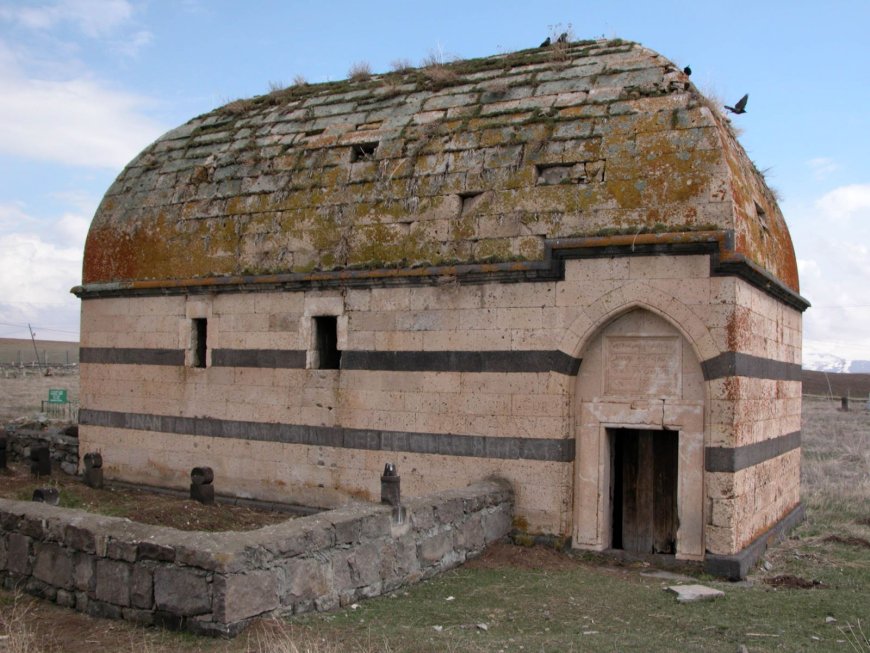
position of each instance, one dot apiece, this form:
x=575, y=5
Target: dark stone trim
x=131, y=356
x=266, y=358
x=718, y=244
x=401, y=361
x=737, y=566
x=462, y=361
x=733, y=459
x=740, y=266
x=735, y=363
x=447, y=444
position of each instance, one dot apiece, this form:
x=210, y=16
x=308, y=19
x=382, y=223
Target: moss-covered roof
x=477, y=161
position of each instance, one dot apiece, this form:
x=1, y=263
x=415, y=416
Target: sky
x=87, y=84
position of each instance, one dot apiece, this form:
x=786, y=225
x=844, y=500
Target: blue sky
x=86, y=84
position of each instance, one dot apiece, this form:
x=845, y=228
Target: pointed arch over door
x=639, y=425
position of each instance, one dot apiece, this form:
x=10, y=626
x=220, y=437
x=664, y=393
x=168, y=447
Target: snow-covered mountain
x=815, y=358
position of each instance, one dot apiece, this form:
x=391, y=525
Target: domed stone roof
x=480, y=162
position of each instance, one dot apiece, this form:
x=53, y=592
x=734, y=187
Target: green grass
x=590, y=609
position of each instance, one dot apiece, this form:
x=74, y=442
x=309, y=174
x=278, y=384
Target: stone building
x=556, y=266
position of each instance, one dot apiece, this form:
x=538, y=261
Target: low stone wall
x=214, y=583
x=63, y=445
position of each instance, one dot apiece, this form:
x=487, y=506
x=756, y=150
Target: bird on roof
x=545, y=43
x=563, y=38
x=740, y=107
x=687, y=70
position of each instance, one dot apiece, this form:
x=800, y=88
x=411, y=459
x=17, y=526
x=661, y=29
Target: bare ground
x=137, y=504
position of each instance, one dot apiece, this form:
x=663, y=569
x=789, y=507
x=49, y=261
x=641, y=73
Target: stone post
x=40, y=461
x=391, y=492
x=93, y=476
x=201, y=488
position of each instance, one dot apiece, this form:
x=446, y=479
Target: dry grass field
x=531, y=600
x=14, y=351
x=22, y=391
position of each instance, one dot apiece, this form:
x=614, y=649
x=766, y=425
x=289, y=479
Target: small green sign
x=56, y=396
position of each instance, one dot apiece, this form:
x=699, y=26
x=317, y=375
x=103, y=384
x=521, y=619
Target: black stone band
x=445, y=444
x=734, y=363
x=737, y=566
x=266, y=358
x=728, y=459
x=131, y=356
x=462, y=361
x=400, y=361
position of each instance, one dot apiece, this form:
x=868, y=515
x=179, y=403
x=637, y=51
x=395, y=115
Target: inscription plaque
x=647, y=366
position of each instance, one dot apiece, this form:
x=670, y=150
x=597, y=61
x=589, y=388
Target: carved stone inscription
x=642, y=366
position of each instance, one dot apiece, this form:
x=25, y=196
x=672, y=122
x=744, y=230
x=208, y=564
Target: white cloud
x=14, y=218
x=75, y=121
x=93, y=18
x=831, y=236
x=845, y=202
x=38, y=271
x=133, y=43
x=823, y=167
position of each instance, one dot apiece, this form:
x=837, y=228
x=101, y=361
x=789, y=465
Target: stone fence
x=215, y=583
x=62, y=443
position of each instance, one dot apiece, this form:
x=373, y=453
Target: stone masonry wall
x=63, y=446
x=755, y=412
x=214, y=583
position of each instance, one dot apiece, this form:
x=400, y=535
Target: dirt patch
x=850, y=540
x=793, y=582
x=137, y=505
x=502, y=555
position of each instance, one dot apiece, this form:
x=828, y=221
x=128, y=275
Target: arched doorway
x=639, y=424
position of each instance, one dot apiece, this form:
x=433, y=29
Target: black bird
x=740, y=107
x=688, y=71
x=545, y=43
x=563, y=38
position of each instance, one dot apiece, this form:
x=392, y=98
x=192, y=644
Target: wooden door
x=644, y=490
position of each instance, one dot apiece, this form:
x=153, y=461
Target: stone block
x=432, y=549
x=357, y=567
x=240, y=596
x=450, y=510
x=422, y=516
x=103, y=610
x=41, y=589
x=136, y=616
x=497, y=524
x=305, y=580
x=154, y=551
x=83, y=571
x=142, y=586
x=53, y=565
x=182, y=591
x=18, y=554
x=112, y=582
x=469, y=535
x=66, y=599
x=399, y=563
x=121, y=550
x=79, y=538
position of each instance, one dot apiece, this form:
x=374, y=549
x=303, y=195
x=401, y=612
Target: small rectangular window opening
x=762, y=216
x=326, y=333
x=470, y=200
x=363, y=152
x=199, y=341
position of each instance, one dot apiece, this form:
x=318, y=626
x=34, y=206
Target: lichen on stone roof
x=476, y=161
